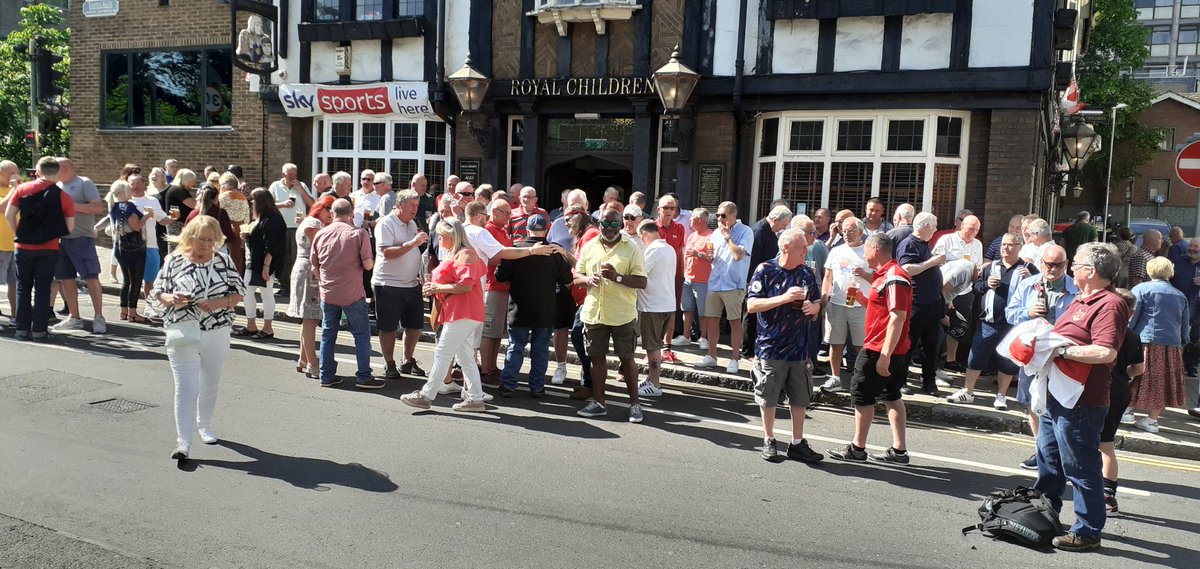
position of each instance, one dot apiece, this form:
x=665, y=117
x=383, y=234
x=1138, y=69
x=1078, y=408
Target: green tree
x=1117, y=44
x=37, y=21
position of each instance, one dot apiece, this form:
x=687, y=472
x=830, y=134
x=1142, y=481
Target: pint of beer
x=852, y=294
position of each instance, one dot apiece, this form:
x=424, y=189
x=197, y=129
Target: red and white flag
x=1070, y=99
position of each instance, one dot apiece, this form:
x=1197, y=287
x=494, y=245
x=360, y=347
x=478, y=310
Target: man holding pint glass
x=846, y=273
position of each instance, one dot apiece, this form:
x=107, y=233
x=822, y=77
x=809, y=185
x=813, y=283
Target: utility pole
x=33, y=112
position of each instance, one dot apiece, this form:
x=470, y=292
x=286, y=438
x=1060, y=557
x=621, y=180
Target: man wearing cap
x=531, y=281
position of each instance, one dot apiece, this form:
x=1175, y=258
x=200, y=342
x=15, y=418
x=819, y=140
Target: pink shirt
x=339, y=251
x=465, y=306
x=695, y=269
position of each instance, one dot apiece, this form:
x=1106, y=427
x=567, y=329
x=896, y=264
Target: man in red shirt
x=517, y=229
x=674, y=234
x=881, y=367
x=47, y=213
x=495, y=321
x=1068, y=441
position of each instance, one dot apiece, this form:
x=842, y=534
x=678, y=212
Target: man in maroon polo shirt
x=1068, y=441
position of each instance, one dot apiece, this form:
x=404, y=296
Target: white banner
x=402, y=98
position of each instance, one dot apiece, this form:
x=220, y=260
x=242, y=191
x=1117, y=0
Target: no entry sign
x=1187, y=165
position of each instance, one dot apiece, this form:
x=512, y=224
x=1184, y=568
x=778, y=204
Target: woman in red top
x=457, y=284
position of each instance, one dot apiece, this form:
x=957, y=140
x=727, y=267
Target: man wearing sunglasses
x=1044, y=295
x=732, y=242
x=674, y=234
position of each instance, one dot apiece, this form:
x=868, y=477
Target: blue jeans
x=1068, y=448
x=35, y=272
x=539, y=358
x=581, y=349
x=360, y=328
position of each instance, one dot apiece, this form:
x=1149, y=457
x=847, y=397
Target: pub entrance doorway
x=591, y=174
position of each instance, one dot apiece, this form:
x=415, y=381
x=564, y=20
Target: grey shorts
x=8, y=267
x=775, y=377
x=495, y=315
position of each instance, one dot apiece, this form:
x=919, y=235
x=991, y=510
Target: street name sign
x=100, y=8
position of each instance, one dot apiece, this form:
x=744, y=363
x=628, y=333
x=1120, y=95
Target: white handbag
x=183, y=334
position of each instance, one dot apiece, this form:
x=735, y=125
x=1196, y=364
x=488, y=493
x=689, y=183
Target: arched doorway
x=589, y=173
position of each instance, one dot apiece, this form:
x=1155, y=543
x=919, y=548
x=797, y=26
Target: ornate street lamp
x=469, y=86
x=675, y=82
x=1079, y=143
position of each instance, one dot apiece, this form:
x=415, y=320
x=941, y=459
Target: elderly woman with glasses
x=457, y=288
x=1161, y=320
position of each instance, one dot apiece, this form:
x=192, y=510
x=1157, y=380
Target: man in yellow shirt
x=613, y=270
x=10, y=176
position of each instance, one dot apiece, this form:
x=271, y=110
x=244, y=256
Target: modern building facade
x=941, y=103
x=1173, y=38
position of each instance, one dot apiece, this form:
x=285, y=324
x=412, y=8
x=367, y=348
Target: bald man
x=426, y=205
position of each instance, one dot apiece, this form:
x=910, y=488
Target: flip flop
x=243, y=332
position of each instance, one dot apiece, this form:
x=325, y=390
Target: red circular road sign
x=1187, y=164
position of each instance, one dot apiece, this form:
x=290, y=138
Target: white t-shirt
x=483, y=243
x=1033, y=253
x=363, y=203
x=955, y=248
x=281, y=193
x=959, y=275
x=405, y=270
x=659, y=294
x=841, y=263
x=148, y=229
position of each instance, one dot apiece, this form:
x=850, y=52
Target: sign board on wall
x=712, y=177
x=100, y=8
x=468, y=170
x=400, y=98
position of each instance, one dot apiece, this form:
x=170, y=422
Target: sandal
x=243, y=332
x=260, y=335
x=313, y=373
x=136, y=319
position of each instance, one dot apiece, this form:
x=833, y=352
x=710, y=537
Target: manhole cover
x=118, y=405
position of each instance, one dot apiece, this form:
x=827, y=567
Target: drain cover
x=118, y=405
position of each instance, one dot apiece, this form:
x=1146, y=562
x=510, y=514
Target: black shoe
x=770, y=452
x=1110, y=504
x=849, y=453
x=506, y=392
x=954, y=367
x=410, y=367
x=373, y=383
x=42, y=337
x=931, y=390
x=1195, y=412
x=537, y=394
x=390, y=372
x=1074, y=542
x=65, y=311
x=890, y=457
x=336, y=382
x=1030, y=463
x=804, y=453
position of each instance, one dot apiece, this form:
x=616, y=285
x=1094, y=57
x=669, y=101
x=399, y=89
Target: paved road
x=309, y=477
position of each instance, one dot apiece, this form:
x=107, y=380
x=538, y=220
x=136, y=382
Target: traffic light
x=30, y=138
x=47, y=76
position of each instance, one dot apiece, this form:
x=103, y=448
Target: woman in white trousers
x=198, y=288
x=457, y=283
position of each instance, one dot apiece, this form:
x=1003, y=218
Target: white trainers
x=462, y=394
x=449, y=388
x=961, y=396
x=647, y=389
x=707, y=361
x=99, y=325
x=560, y=375
x=703, y=344
x=680, y=341
x=207, y=437
x=1001, y=402
x=68, y=323
x=732, y=367
x=1146, y=424
x=834, y=385
x=942, y=383
x=1127, y=418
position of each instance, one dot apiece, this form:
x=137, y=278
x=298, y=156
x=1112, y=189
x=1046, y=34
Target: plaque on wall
x=468, y=170
x=712, y=177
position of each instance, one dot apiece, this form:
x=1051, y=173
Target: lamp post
x=675, y=82
x=1112, y=149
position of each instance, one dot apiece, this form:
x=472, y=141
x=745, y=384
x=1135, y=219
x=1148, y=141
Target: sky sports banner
x=403, y=98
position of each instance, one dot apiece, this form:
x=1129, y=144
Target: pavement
x=316, y=477
x=1178, y=437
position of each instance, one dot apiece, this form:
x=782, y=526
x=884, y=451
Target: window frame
x=1150, y=189
x=348, y=11
x=787, y=143
x=1167, y=144
x=202, y=83
x=323, y=151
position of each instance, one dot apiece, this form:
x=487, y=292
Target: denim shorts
x=78, y=258
x=153, y=264
x=694, y=297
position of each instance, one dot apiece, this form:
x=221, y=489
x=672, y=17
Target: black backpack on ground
x=1023, y=516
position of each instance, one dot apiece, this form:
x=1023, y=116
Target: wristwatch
x=1061, y=352
x=618, y=278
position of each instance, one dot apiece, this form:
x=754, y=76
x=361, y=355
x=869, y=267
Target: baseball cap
x=536, y=222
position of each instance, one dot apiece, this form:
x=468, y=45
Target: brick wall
x=143, y=24
x=1186, y=122
x=1011, y=160
x=715, y=136
x=977, y=170
x=506, y=39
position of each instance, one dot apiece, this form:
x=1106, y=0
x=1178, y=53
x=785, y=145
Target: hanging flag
x=1070, y=99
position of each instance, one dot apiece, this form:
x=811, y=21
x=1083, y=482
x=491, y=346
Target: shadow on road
x=302, y=472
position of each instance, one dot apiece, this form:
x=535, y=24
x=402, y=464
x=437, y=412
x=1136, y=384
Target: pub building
x=823, y=103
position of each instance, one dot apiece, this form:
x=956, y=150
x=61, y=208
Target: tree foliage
x=1116, y=46
x=37, y=21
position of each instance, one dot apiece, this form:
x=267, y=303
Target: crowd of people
x=803, y=297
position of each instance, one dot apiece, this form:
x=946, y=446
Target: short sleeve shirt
x=659, y=294
x=890, y=291
x=782, y=331
x=728, y=273
x=927, y=286
x=518, y=224
x=500, y=234
x=841, y=263
x=696, y=269
x=82, y=191
x=611, y=303
x=1098, y=320
x=955, y=248
x=157, y=213
x=339, y=252
x=465, y=306
x=29, y=188
x=403, y=271
x=674, y=236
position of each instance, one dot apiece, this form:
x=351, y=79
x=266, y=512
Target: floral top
x=214, y=279
x=236, y=206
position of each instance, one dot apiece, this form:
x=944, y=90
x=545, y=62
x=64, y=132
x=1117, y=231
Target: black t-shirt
x=175, y=197
x=1130, y=353
x=927, y=286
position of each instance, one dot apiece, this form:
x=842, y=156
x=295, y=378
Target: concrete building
x=1173, y=39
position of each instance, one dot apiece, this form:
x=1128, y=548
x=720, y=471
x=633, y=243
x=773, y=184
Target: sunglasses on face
x=471, y=194
x=1050, y=265
x=720, y=216
x=610, y=224
x=630, y=217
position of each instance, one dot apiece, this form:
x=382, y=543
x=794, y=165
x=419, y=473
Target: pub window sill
x=166, y=130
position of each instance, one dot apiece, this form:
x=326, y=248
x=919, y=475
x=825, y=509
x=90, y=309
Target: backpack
x=1023, y=516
